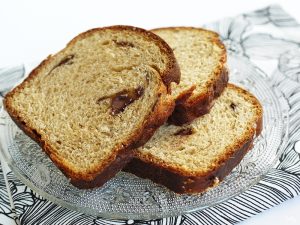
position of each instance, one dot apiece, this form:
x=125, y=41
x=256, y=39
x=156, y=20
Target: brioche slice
x=102, y=95
x=194, y=157
x=202, y=60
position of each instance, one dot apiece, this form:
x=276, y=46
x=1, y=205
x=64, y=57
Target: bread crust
x=172, y=73
x=122, y=154
x=187, y=110
x=186, y=184
x=191, y=105
x=181, y=181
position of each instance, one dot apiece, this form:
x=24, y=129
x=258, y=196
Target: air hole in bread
x=124, y=44
x=121, y=68
x=155, y=68
x=106, y=42
x=181, y=148
x=65, y=61
x=185, y=131
x=233, y=106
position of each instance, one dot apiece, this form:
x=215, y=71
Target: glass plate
x=129, y=197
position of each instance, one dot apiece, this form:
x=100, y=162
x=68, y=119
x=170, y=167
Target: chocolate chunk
x=233, y=106
x=185, y=131
x=122, y=99
x=124, y=44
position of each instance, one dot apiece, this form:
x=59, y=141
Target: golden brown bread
x=195, y=157
x=88, y=105
x=202, y=59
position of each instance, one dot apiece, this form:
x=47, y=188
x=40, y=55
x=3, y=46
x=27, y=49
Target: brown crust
x=172, y=72
x=186, y=112
x=122, y=154
x=123, y=157
x=190, y=105
x=161, y=111
x=185, y=182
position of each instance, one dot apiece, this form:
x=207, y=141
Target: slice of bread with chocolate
x=195, y=157
x=92, y=102
x=202, y=60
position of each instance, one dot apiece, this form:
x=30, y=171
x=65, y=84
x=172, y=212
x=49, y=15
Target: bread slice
x=102, y=95
x=194, y=157
x=202, y=60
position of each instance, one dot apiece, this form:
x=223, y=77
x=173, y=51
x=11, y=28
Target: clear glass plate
x=129, y=197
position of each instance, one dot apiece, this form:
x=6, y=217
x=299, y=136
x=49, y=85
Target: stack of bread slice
x=155, y=102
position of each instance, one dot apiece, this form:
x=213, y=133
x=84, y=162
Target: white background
x=31, y=30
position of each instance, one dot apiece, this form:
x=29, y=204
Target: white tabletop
x=32, y=29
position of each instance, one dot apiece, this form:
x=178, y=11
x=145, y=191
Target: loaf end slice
x=195, y=157
x=202, y=59
x=88, y=105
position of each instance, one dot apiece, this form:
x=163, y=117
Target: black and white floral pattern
x=239, y=39
x=274, y=15
x=5, y=208
x=281, y=54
